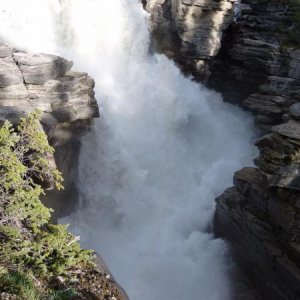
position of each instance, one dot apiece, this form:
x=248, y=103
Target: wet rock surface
x=263, y=227
x=46, y=82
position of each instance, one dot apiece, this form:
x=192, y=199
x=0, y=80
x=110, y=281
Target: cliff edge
x=259, y=215
x=46, y=82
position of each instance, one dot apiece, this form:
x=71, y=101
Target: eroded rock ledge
x=259, y=63
x=46, y=82
x=66, y=98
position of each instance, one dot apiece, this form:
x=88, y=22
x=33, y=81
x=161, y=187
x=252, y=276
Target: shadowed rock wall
x=260, y=214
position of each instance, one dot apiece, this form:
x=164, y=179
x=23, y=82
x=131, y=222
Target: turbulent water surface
x=164, y=148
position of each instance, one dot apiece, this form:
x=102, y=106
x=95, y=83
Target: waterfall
x=163, y=149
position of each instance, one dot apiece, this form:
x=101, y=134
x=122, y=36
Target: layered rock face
x=260, y=214
x=41, y=81
x=258, y=65
x=66, y=98
x=190, y=31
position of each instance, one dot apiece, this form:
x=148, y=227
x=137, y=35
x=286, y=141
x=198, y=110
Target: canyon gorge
x=190, y=92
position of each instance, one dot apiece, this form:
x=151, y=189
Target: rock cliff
x=259, y=215
x=190, y=31
x=66, y=98
x=253, y=59
x=259, y=63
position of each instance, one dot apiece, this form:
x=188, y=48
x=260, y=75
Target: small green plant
x=63, y=294
x=19, y=284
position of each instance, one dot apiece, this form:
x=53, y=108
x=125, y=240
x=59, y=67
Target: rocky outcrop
x=66, y=98
x=42, y=81
x=259, y=215
x=190, y=31
x=259, y=64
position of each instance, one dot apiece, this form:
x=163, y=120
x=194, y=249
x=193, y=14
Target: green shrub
x=23, y=156
x=51, y=252
x=28, y=242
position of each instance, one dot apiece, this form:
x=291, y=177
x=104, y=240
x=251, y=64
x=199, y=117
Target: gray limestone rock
x=42, y=81
x=194, y=28
x=39, y=68
x=260, y=214
x=9, y=72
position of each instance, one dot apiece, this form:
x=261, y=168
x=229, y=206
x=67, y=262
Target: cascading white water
x=164, y=148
